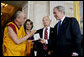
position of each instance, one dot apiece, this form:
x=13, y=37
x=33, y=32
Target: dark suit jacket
x=50, y=41
x=69, y=39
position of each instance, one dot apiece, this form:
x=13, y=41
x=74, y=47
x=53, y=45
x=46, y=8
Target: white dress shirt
x=62, y=19
x=48, y=34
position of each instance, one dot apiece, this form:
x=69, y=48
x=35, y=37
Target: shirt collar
x=47, y=27
x=63, y=18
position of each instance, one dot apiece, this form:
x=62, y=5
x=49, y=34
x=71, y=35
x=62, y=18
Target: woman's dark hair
x=28, y=20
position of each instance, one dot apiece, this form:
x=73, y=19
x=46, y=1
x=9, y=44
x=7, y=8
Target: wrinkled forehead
x=22, y=13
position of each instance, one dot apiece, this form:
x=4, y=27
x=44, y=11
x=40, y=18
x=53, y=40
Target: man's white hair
x=47, y=16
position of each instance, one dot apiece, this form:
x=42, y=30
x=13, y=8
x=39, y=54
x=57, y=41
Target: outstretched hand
x=43, y=41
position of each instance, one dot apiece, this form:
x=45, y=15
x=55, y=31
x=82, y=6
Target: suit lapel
x=42, y=33
x=50, y=32
x=64, y=22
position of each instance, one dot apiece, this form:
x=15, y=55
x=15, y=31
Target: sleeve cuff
x=75, y=53
x=46, y=41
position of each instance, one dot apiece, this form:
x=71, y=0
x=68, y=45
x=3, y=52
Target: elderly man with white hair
x=44, y=46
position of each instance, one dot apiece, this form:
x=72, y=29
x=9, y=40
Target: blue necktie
x=58, y=28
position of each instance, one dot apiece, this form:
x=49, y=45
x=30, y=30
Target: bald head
x=46, y=17
x=17, y=14
x=46, y=21
x=19, y=17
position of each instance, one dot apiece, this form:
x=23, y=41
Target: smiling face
x=58, y=14
x=46, y=21
x=28, y=25
x=20, y=18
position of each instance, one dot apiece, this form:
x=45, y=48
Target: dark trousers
x=42, y=53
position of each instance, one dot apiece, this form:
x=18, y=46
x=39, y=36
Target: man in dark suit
x=67, y=34
x=44, y=46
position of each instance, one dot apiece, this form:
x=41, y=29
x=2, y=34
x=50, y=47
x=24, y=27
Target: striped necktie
x=45, y=47
x=46, y=34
